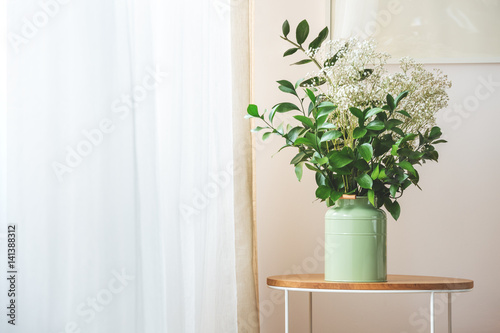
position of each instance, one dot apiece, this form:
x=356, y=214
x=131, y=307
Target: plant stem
x=310, y=57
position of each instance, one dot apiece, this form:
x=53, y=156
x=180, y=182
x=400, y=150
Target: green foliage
x=362, y=152
x=302, y=32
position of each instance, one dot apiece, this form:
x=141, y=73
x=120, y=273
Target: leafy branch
x=366, y=152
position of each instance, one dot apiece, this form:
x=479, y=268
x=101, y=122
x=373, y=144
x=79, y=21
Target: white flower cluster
x=356, y=77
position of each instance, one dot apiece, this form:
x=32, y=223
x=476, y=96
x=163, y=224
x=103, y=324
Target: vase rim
x=352, y=197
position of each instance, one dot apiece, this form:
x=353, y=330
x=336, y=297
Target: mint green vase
x=355, y=242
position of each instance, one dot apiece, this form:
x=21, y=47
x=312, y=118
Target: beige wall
x=452, y=228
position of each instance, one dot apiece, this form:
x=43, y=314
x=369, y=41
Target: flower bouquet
x=361, y=129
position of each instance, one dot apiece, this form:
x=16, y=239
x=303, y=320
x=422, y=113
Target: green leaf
x=285, y=107
x=258, y=128
x=302, y=62
x=394, y=190
x=312, y=167
x=375, y=125
x=305, y=120
x=283, y=147
x=323, y=192
x=407, y=166
x=366, y=73
x=320, y=179
x=400, y=97
x=375, y=172
x=272, y=114
x=303, y=141
x=302, y=32
x=393, y=208
x=287, y=90
x=298, y=83
x=331, y=135
x=327, y=125
x=313, y=82
x=334, y=195
x=400, y=176
x=290, y=51
x=287, y=84
x=327, y=105
x=357, y=112
x=416, y=155
x=359, y=132
x=390, y=102
x=373, y=112
x=253, y=111
x=311, y=95
x=382, y=116
x=361, y=165
x=321, y=161
x=394, y=150
x=340, y=53
x=298, y=170
x=366, y=151
x=421, y=139
x=325, y=108
x=398, y=131
x=371, y=197
x=435, y=133
x=339, y=159
x=407, y=137
x=392, y=123
x=313, y=138
x=310, y=108
x=297, y=158
x=404, y=113
x=321, y=120
x=406, y=183
x=365, y=181
x=316, y=43
x=285, y=28
x=266, y=135
x=293, y=134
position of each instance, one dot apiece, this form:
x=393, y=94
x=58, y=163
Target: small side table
x=395, y=284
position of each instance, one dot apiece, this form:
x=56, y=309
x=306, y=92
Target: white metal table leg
x=449, y=313
x=286, y=310
x=432, y=312
x=310, y=312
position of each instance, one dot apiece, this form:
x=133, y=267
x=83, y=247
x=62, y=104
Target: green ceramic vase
x=355, y=242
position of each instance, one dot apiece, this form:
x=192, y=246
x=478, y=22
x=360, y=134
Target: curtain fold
x=245, y=223
x=128, y=166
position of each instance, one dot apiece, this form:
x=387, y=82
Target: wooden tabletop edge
x=406, y=282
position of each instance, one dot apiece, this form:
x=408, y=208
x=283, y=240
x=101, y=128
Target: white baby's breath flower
x=356, y=77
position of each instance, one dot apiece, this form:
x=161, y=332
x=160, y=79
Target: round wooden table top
x=394, y=282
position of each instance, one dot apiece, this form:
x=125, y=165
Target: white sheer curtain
x=119, y=166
